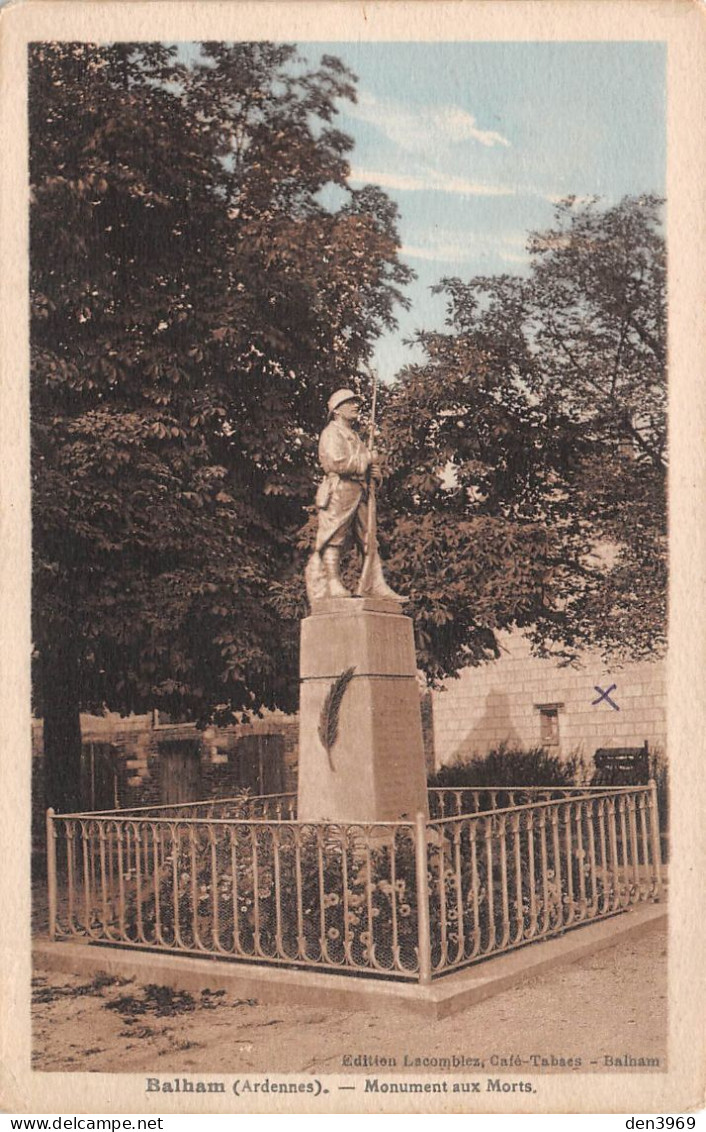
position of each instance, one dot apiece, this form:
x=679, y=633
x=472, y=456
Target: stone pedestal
x=374, y=770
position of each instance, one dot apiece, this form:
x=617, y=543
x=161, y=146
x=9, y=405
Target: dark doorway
x=180, y=770
x=99, y=777
x=260, y=763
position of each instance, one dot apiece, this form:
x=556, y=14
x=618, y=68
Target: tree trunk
x=62, y=726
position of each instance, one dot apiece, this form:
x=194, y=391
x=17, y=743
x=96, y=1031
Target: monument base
x=361, y=752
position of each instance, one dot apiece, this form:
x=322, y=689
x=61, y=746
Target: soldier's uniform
x=342, y=498
x=346, y=509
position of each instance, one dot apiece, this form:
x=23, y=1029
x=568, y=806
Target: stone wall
x=525, y=701
x=510, y=700
x=135, y=749
x=139, y=751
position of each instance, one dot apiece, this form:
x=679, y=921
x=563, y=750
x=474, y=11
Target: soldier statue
x=345, y=503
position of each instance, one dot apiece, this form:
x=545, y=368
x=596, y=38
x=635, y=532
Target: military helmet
x=340, y=396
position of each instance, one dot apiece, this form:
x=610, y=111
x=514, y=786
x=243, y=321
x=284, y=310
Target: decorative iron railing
x=275, y=807
x=511, y=876
x=454, y=801
x=242, y=879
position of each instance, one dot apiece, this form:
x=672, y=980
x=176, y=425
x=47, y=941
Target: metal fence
x=242, y=879
x=274, y=807
x=453, y=801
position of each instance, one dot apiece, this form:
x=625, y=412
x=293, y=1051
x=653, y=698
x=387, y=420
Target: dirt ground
x=610, y=1005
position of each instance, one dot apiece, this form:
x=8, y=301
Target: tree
x=193, y=305
x=529, y=449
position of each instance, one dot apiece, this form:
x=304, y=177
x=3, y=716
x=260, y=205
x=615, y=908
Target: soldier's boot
x=375, y=584
x=331, y=559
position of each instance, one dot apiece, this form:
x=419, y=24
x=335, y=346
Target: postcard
x=353, y=556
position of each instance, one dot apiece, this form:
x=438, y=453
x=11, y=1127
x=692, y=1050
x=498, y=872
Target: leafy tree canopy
x=529, y=449
x=193, y=305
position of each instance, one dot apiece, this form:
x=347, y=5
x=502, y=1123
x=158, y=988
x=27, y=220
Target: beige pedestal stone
x=374, y=771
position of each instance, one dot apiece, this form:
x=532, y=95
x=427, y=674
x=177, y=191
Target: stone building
x=527, y=702
x=519, y=700
x=140, y=760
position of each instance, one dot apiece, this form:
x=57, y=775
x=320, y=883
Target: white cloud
x=557, y=198
x=429, y=180
x=448, y=253
x=417, y=130
x=448, y=246
x=514, y=257
x=458, y=125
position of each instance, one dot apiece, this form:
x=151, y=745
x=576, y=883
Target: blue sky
x=476, y=141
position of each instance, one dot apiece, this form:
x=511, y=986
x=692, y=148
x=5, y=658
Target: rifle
x=370, y=546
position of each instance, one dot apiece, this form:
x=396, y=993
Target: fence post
x=51, y=872
x=423, y=921
x=654, y=834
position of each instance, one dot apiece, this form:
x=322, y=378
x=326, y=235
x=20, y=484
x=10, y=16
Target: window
x=170, y=719
x=549, y=724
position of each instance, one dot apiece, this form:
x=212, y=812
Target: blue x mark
x=605, y=696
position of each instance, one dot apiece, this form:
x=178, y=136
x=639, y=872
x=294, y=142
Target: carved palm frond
x=328, y=720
